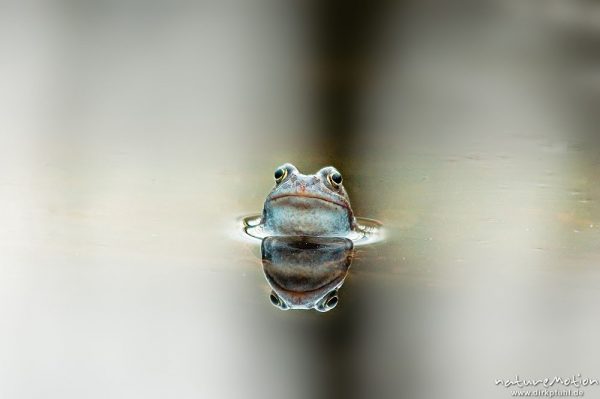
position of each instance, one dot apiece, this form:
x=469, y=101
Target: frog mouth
x=311, y=196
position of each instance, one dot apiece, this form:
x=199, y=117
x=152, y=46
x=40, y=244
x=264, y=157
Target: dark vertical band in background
x=342, y=34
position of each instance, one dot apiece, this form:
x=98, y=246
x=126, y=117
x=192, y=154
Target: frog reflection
x=306, y=272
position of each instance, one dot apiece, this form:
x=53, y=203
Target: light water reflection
x=367, y=231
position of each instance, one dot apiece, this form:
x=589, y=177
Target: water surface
x=133, y=141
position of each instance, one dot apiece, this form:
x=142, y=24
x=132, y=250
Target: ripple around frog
x=368, y=231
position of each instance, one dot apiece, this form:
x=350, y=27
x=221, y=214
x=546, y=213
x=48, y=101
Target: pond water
x=133, y=144
x=131, y=276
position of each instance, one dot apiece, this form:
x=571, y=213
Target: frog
x=308, y=205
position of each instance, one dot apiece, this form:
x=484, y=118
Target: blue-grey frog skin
x=310, y=205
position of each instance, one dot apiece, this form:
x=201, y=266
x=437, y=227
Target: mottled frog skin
x=309, y=205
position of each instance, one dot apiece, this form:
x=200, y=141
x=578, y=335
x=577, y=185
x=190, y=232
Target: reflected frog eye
x=280, y=174
x=328, y=303
x=332, y=302
x=277, y=302
x=335, y=179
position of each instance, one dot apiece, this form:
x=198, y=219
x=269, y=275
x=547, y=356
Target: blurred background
x=135, y=134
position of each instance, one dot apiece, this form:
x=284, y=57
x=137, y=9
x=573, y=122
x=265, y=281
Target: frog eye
x=335, y=179
x=280, y=174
